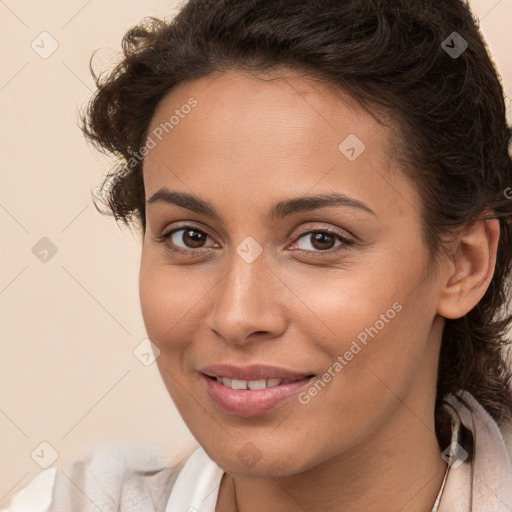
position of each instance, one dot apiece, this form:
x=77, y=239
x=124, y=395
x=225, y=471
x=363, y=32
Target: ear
x=470, y=269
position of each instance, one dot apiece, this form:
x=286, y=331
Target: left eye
x=321, y=240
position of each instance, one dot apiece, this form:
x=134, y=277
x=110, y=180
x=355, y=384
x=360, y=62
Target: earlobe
x=471, y=269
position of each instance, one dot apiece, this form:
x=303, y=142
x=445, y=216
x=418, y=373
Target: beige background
x=69, y=326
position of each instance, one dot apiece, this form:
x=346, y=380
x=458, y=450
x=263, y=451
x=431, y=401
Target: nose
x=247, y=303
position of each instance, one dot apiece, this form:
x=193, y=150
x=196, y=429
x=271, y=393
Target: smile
x=248, y=398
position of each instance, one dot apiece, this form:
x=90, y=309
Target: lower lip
x=245, y=402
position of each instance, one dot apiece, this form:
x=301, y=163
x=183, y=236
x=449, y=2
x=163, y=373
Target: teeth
x=224, y=380
x=250, y=384
x=257, y=384
x=238, y=384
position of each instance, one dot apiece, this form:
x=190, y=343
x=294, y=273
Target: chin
x=252, y=462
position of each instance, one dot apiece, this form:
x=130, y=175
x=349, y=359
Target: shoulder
x=484, y=425
x=507, y=437
x=139, y=477
x=36, y=497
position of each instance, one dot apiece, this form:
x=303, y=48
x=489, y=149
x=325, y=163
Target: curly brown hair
x=448, y=111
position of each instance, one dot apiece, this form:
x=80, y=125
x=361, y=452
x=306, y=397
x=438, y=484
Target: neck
x=400, y=468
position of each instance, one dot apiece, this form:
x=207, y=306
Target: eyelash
x=316, y=254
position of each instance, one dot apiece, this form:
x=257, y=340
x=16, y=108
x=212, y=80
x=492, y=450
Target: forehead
x=279, y=129
x=286, y=97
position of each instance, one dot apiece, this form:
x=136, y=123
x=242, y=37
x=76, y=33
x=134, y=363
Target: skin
x=367, y=441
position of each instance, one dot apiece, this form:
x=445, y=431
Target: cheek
x=169, y=298
x=373, y=333
x=358, y=389
x=336, y=309
x=164, y=310
x=155, y=304
x=164, y=301
x=375, y=360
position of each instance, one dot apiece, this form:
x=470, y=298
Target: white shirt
x=196, y=488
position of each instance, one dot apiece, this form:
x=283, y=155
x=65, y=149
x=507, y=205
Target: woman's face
x=258, y=272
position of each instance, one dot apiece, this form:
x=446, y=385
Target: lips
x=253, y=372
x=252, y=390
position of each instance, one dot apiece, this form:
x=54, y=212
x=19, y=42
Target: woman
x=326, y=241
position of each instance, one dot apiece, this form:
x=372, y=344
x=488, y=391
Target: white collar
x=197, y=486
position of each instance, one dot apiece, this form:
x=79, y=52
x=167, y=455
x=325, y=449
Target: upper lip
x=252, y=372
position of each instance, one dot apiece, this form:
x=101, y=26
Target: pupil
x=196, y=238
x=319, y=237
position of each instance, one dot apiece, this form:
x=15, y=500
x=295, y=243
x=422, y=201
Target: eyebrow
x=278, y=210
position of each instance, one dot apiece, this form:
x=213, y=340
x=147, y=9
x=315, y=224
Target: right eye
x=191, y=238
